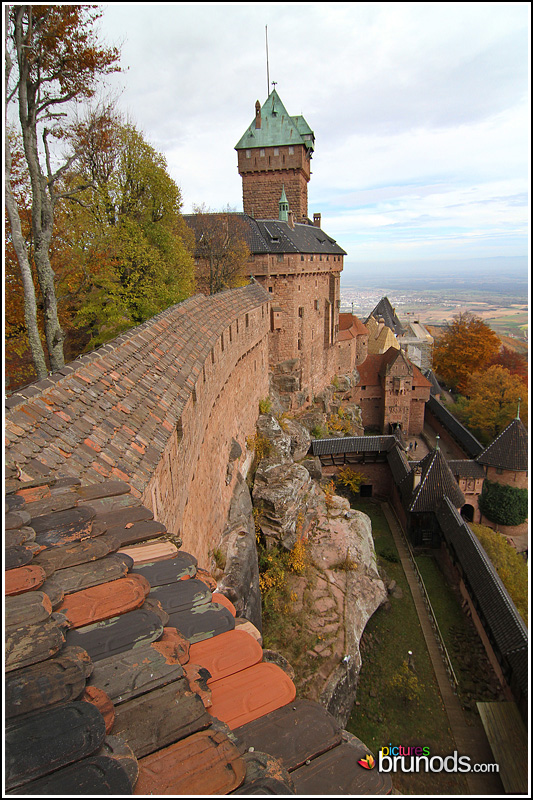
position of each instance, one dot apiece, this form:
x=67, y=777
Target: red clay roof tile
x=204, y=764
x=99, y=603
x=226, y=653
x=250, y=693
x=23, y=579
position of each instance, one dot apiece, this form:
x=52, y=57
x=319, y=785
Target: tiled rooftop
x=109, y=414
x=468, y=441
x=276, y=236
x=104, y=694
x=509, y=450
x=496, y=607
x=436, y=482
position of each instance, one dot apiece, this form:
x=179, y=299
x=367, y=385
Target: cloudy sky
x=421, y=112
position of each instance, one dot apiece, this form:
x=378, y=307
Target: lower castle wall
x=191, y=488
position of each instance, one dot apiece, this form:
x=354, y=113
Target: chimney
x=291, y=219
x=257, y=114
x=317, y=219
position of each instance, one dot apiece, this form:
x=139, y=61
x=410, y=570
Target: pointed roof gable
x=509, y=450
x=380, y=341
x=395, y=358
x=437, y=481
x=385, y=310
x=277, y=128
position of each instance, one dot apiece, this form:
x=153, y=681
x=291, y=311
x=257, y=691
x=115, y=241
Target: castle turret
x=274, y=155
x=283, y=206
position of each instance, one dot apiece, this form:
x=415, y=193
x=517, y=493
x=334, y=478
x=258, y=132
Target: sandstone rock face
x=340, y=594
x=300, y=438
x=313, y=420
x=347, y=538
x=314, y=467
x=240, y=578
x=282, y=494
x=280, y=442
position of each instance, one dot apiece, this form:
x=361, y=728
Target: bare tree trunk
x=42, y=217
x=30, y=303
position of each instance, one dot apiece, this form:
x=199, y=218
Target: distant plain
x=434, y=293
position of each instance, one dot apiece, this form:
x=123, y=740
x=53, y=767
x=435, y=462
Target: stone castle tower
x=275, y=153
x=293, y=258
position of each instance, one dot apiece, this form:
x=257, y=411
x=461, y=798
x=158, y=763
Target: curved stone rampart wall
x=156, y=408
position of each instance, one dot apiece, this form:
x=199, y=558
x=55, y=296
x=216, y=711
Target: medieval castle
x=163, y=414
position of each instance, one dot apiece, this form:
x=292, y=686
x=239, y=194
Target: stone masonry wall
x=308, y=322
x=146, y=407
x=264, y=176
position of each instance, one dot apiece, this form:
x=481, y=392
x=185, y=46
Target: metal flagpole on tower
x=268, y=75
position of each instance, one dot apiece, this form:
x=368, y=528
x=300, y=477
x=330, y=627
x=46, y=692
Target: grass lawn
x=381, y=714
x=472, y=668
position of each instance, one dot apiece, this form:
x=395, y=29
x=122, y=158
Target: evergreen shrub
x=504, y=505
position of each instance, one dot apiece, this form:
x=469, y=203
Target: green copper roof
x=283, y=206
x=277, y=128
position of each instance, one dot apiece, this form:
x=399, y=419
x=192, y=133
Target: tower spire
x=268, y=75
x=283, y=206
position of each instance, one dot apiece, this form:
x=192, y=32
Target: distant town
x=507, y=315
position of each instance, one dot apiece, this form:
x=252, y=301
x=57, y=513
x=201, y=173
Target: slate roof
x=435, y=385
x=275, y=236
x=352, y=444
x=109, y=414
x=498, y=610
x=436, y=482
x=385, y=310
x=278, y=128
x=509, y=450
x=399, y=465
x=468, y=441
x=466, y=468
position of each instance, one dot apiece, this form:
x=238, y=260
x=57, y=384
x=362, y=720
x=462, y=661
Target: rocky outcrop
x=238, y=580
x=342, y=587
x=283, y=494
x=300, y=438
x=279, y=442
x=343, y=550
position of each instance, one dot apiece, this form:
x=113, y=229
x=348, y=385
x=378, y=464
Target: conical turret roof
x=509, y=450
x=437, y=481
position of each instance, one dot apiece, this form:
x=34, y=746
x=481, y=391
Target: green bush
x=504, y=505
x=388, y=554
x=265, y=405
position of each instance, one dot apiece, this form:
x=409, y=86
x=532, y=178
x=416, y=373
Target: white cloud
x=420, y=110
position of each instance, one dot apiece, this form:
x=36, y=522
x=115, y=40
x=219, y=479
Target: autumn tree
x=57, y=62
x=492, y=399
x=513, y=361
x=466, y=346
x=129, y=234
x=221, y=250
